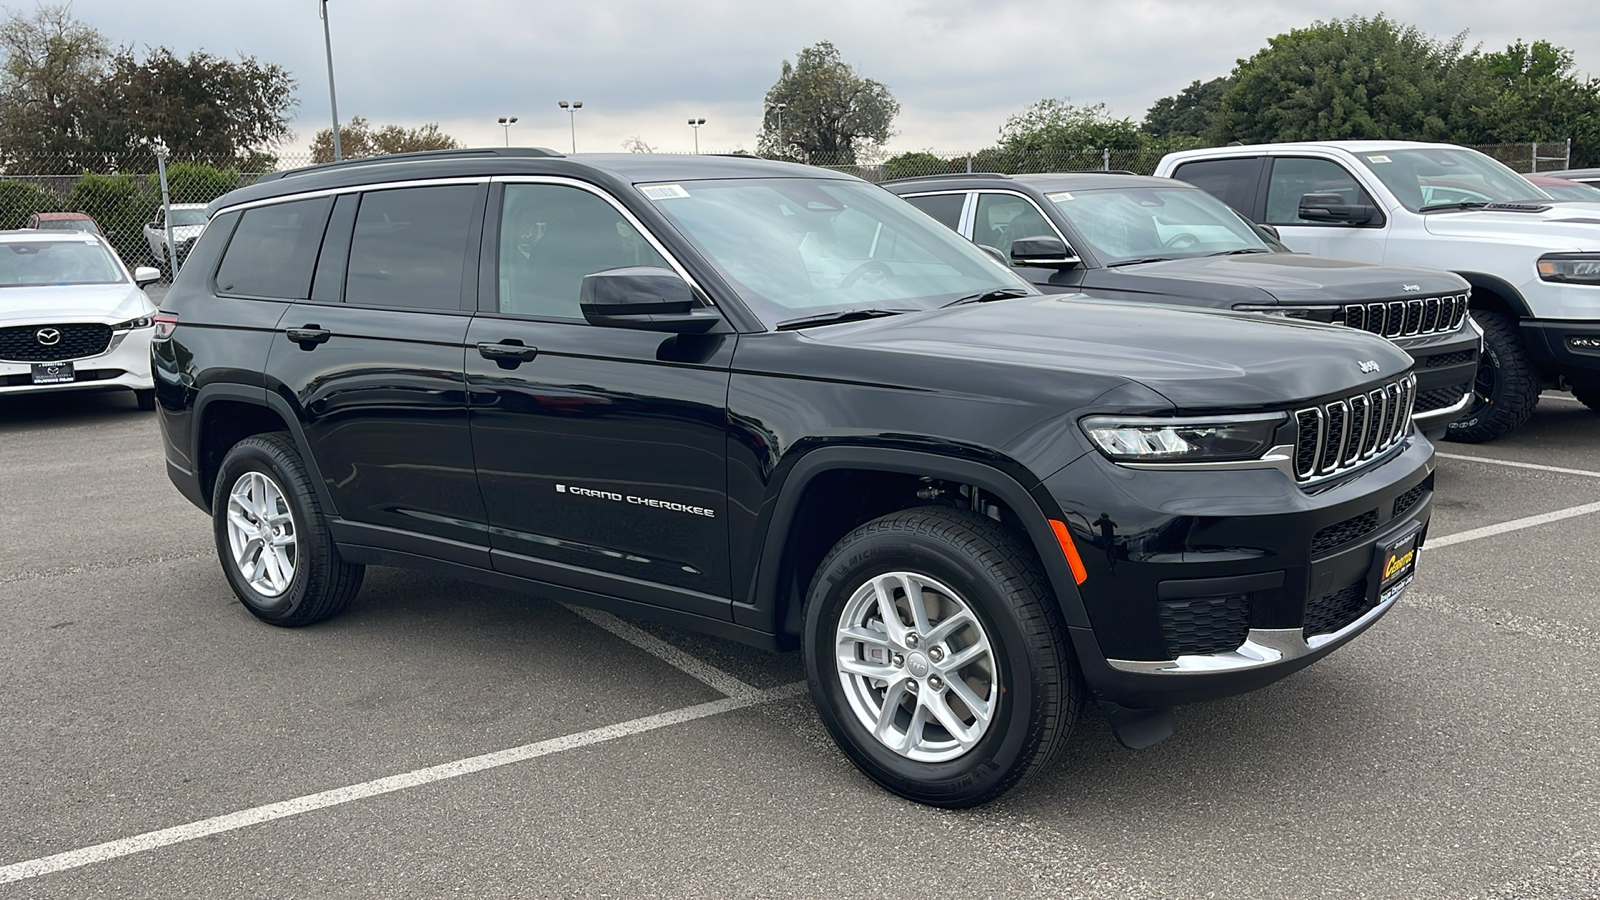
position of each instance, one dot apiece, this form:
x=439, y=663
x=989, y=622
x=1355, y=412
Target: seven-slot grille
x=1404, y=318
x=22, y=343
x=1343, y=434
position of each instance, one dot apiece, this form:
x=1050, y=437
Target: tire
x=147, y=400
x=1507, y=386
x=1589, y=397
x=1013, y=655
x=263, y=474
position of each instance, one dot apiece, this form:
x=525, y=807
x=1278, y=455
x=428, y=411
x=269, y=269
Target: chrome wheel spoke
x=916, y=603
x=868, y=670
x=949, y=626
x=965, y=656
x=981, y=709
x=952, y=723
x=882, y=728
x=892, y=624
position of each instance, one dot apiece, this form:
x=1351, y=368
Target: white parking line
x=1559, y=398
x=1519, y=465
x=719, y=680
x=166, y=837
x=1461, y=537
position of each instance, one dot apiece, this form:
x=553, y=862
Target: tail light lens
x=166, y=324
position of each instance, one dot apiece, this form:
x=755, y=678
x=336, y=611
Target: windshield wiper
x=986, y=296
x=1240, y=251
x=1459, y=204
x=833, y=318
x=1139, y=261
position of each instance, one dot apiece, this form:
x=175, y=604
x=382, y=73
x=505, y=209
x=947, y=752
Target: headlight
x=1304, y=313
x=1570, y=268
x=1217, y=439
x=131, y=324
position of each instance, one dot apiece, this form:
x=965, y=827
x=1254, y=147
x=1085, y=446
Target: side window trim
x=327, y=282
x=488, y=293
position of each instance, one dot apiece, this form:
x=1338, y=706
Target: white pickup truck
x=1533, y=262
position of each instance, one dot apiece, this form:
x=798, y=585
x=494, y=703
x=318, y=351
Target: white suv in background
x=188, y=220
x=1533, y=261
x=72, y=317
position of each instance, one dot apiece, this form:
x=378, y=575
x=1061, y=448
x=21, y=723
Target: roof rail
x=523, y=152
x=944, y=175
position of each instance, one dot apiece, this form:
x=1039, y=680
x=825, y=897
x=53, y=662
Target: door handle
x=507, y=354
x=309, y=336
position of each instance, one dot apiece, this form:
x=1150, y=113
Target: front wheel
x=1506, y=388
x=936, y=657
x=1589, y=397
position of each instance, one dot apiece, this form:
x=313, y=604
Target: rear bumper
x=1566, y=348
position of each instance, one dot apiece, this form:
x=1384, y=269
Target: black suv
x=1133, y=237
x=777, y=404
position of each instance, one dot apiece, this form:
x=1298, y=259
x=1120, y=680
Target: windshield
x=797, y=247
x=1571, y=190
x=1156, y=223
x=1448, y=178
x=181, y=217
x=34, y=263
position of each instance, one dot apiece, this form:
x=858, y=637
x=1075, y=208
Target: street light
x=333, y=99
x=506, y=122
x=780, y=107
x=695, y=124
x=572, y=118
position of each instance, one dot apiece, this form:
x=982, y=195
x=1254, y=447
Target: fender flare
x=256, y=395
x=1501, y=288
x=1034, y=507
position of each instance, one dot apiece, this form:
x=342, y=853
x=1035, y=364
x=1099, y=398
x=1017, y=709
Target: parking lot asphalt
x=444, y=738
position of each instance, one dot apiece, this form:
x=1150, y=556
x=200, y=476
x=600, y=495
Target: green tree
x=829, y=114
x=357, y=139
x=1539, y=97
x=21, y=199
x=51, y=64
x=1054, y=135
x=1191, y=112
x=921, y=162
x=190, y=182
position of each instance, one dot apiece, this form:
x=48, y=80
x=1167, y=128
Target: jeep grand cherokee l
x=778, y=404
x=1156, y=240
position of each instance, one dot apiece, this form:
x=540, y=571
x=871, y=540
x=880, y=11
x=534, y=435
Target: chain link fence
x=123, y=197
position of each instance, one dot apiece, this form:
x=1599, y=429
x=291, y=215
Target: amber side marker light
x=1070, y=551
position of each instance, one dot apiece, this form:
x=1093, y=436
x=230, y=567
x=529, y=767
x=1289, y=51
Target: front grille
x=1440, y=398
x=1351, y=529
x=1204, y=624
x=22, y=344
x=1450, y=359
x=1345, y=433
x=1331, y=612
x=1406, y=318
x=1404, y=502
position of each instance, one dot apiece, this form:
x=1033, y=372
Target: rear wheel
x=1589, y=397
x=936, y=656
x=272, y=539
x=1506, y=388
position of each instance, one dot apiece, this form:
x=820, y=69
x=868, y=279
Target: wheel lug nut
x=935, y=682
x=911, y=640
x=911, y=687
x=899, y=660
x=936, y=654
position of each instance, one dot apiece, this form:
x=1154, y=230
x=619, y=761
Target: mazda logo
x=48, y=337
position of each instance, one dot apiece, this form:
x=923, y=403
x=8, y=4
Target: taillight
x=166, y=324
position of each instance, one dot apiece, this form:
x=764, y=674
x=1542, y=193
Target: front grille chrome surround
x=1335, y=437
x=1407, y=318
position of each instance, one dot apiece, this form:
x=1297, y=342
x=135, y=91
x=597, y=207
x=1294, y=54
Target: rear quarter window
x=274, y=249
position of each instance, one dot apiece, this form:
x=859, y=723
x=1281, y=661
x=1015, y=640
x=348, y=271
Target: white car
x=72, y=317
x=1533, y=261
x=188, y=220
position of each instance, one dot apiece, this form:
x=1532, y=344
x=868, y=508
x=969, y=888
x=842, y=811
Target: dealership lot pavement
x=445, y=738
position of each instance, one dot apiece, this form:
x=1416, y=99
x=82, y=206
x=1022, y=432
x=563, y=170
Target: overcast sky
x=642, y=67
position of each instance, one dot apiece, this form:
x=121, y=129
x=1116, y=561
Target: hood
x=1198, y=360
x=1289, y=279
x=1566, y=226
x=51, y=304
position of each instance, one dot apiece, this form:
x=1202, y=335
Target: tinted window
x=1002, y=218
x=273, y=250
x=1294, y=177
x=946, y=208
x=1233, y=181
x=1163, y=222
x=410, y=247
x=551, y=236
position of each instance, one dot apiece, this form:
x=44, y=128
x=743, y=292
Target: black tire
x=1589, y=397
x=1034, y=691
x=147, y=399
x=1507, y=386
x=322, y=584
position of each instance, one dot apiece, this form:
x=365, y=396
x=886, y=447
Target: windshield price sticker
x=1058, y=197
x=664, y=191
x=1377, y=159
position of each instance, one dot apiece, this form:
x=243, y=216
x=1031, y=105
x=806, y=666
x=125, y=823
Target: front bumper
x=1207, y=584
x=125, y=363
x=1445, y=366
x=1569, y=349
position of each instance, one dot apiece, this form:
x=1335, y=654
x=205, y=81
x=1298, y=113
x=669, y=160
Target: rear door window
x=410, y=247
x=946, y=208
x=273, y=250
x=1233, y=181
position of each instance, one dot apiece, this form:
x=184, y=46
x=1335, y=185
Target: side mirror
x=1043, y=250
x=1270, y=231
x=995, y=252
x=144, y=275
x=648, y=298
x=1332, y=209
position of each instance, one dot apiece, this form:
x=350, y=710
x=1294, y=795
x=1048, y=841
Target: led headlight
x=1304, y=313
x=1214, y=439
x=1570, y=268
x=131, y=324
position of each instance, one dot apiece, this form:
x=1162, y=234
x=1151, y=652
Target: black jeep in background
x=780, y=405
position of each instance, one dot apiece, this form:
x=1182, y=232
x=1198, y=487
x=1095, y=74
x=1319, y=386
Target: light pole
x=572, y=118
x=333, y=97
x=695, y=124
x=506, y=122
x=780, y=107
